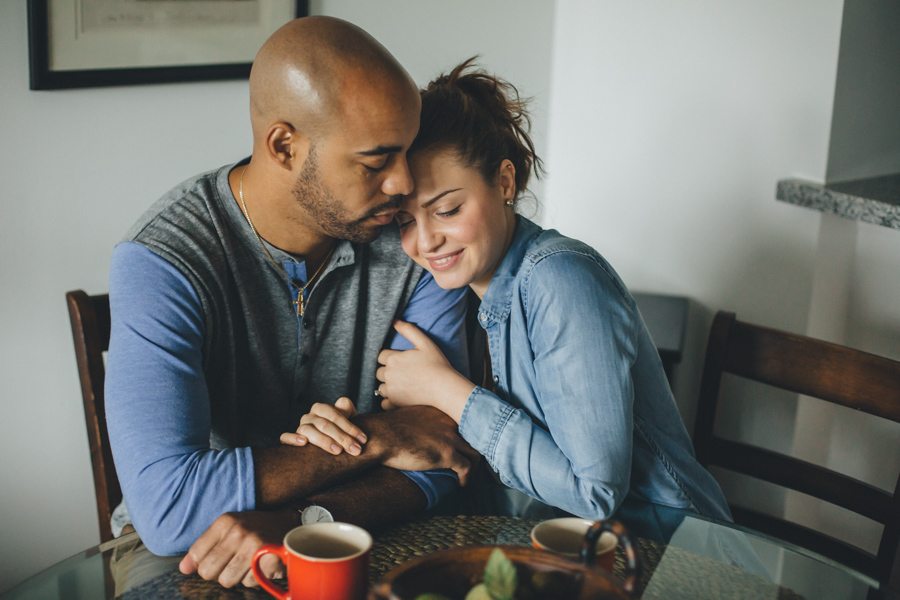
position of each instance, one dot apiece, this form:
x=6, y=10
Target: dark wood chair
x=90, y=330
x=818, y=369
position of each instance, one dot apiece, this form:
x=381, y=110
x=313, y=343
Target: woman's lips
x=442, y=263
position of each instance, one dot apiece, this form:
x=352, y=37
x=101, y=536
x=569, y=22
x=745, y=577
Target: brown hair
x=482, y=119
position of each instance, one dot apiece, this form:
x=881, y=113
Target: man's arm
x=377, y=498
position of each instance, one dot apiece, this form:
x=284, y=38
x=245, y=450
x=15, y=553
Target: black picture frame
x=42, y=77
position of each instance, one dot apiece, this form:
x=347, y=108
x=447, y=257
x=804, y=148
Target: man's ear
x=506, y=179
x=286, y=146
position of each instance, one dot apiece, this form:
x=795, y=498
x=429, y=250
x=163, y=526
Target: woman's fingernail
x=301, y=440
x=336, y=449
x=355, y=449
x=362, y=438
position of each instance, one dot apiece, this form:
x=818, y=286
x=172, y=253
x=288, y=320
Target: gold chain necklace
x=300, y=302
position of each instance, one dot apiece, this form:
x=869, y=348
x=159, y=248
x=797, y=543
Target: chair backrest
x=90, y=330
x=811, y=367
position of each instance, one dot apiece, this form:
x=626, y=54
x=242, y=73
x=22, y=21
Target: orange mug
x=585, y=541
x=324, y=561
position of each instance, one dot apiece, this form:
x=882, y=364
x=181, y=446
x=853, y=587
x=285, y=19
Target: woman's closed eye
x=449, y=213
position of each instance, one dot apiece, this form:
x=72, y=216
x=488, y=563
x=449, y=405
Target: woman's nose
x=429, y=239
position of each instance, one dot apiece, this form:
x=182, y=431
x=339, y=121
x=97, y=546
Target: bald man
x=251, y=295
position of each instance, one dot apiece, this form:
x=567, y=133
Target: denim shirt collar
x=498, y=297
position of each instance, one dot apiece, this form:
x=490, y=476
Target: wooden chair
x=90, y=330
x=818, y=369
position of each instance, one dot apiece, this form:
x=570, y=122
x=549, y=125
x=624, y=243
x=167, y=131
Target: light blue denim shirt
x=581, y=415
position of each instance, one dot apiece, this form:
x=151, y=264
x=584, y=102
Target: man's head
x=335, y=113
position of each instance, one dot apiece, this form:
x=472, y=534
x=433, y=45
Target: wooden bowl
x=452, y=573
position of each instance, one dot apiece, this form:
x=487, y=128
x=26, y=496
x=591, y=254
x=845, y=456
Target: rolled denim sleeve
x=576, y=452
x=442, y=315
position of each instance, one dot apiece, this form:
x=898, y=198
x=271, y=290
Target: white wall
x=670, y=124
x=78, y=167
x=669, y=127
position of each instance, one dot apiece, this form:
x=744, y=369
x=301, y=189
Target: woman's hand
x=329, y=428
x=422, y=375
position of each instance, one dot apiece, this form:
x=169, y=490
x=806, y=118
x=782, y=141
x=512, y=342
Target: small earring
x=511, y=202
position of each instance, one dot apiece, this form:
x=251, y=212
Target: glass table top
x=703, y=559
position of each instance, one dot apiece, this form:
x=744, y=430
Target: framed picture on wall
x=93, y=43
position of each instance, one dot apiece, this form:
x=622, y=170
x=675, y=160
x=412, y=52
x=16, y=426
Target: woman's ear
x=507, y=180
x=287, y=146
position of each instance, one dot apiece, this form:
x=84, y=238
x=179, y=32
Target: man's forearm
x=288, y=473
x=379, y=497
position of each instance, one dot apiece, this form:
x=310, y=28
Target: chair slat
x=838, y=374
x=90, y=320
x=807, y=478
x=833, y=373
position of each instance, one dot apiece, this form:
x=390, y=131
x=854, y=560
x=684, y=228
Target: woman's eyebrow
x=438, y=197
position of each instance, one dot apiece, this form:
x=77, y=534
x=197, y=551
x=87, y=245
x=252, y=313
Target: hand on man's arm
x=418, y=438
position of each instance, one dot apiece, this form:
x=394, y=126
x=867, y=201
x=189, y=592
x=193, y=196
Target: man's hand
x=224, y=551
x=418, y=438
x=421, y=376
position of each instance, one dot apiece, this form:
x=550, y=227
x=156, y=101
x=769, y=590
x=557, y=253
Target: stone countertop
x=873, y=200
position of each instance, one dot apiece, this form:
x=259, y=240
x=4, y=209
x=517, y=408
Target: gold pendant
x=300, y=302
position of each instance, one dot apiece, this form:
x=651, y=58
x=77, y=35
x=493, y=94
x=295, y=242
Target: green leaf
x=500, y=576
x=479, y=592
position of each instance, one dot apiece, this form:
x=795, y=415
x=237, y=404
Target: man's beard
x=327, y=211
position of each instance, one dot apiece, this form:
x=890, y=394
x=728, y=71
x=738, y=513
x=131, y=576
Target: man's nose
x=399, y=181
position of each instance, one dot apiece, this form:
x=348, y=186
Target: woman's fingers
x=384, y=355
x=293, y=439
x=415, y=335
x=345, y=405
x=329, y=428
x=320, y=415
x=329, y=437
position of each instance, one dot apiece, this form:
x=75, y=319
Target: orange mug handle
x=632, y=563
x=264, y=581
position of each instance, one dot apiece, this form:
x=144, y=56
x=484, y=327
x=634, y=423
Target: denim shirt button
x=483, y=317
x=496, y=379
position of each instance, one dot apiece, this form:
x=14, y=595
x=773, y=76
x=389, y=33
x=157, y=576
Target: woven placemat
x=423, y=536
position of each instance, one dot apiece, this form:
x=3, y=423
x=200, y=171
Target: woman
x=581, y=416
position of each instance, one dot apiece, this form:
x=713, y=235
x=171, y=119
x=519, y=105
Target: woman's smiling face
x=455, y=224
